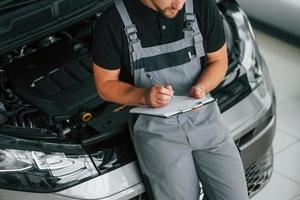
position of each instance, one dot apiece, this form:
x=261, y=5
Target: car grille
x=259, y=173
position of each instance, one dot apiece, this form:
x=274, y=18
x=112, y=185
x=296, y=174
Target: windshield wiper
x=8, y=4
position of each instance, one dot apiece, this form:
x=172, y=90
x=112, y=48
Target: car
x=60, y=140
x=282, y=17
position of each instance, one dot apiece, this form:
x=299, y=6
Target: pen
x=155, y=81
x=190, y=55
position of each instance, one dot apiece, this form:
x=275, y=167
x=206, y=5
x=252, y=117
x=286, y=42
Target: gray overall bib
x=176, y=153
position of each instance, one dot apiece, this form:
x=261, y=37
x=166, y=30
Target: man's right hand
x=159, y=96
x=110, y=88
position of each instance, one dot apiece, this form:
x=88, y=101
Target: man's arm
x=110, y=88
x=213, y=74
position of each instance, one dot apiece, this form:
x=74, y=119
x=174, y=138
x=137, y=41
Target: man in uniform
x=181, y=44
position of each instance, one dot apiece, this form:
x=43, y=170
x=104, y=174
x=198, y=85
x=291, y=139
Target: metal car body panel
x=124, y=182
x=241, y=117
x=120, y=184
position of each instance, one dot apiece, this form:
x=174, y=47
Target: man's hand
x=213, y=74
x=158, y=96
x=197, y=91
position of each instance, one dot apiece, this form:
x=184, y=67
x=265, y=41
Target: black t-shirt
x=110, y=46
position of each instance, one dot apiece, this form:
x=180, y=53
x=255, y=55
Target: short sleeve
x=215, y=30
x=105, y=50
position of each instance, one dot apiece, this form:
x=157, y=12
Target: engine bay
x=57, y=79
x=48, y=85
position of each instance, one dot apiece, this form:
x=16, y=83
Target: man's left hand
x=197, y=92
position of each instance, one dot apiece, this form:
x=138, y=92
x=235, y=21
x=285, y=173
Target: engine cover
x=58, y=79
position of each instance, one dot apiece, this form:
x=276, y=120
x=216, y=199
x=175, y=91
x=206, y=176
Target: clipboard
x=178, y=105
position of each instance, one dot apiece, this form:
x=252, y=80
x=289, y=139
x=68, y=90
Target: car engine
x=57, y=79
x=49, y=85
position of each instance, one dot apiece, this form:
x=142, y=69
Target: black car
x=60, y=140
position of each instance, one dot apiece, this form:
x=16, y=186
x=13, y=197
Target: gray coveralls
x=176, y=153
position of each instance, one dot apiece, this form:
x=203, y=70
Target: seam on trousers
x=145, y=174
x=211, y=189
x=142, y=163
x=183, y=133
x=172, y=192
x=168, y=183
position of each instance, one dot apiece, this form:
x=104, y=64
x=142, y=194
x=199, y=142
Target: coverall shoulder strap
x=123, y=12
x=130, y=29
x=189, y=18
x=191, y=28
x=189, y=7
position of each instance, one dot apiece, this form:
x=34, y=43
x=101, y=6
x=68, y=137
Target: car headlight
x=249, y=58
x=246, y=70
x=46, y=167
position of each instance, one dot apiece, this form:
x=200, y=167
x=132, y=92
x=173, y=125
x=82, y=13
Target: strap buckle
x=189, y=19
x=131, y=33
